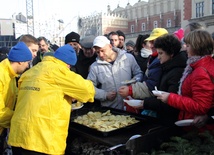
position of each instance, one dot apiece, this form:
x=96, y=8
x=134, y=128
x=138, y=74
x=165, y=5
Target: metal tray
x=105, y=133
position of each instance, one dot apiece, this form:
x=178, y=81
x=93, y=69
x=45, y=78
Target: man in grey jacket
x=112, y=66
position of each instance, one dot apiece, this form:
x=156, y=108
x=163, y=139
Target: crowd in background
x=39, y=82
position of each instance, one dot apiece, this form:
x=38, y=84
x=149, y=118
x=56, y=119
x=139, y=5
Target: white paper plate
x=212, y=117
x=128, y=81
x=74, y=107
x=133, y=102
x=186, y=122
x=155, y=92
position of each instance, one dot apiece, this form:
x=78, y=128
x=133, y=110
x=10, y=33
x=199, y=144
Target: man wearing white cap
x=113, y=66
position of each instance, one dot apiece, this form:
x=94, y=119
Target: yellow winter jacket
x=42, y=114
x=8, y=93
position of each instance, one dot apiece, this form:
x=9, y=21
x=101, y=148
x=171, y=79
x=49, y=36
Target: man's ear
x=110, y=45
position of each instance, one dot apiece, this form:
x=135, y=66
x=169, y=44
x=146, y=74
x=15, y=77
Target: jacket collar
x=51, y=58
x=8, y=66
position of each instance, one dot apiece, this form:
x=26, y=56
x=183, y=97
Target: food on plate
x=105, y=121
x=77, y=105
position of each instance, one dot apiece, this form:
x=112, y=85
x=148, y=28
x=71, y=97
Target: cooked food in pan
x=105, y=121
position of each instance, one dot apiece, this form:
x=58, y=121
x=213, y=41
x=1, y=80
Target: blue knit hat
x=67, y=54
x=20, y=53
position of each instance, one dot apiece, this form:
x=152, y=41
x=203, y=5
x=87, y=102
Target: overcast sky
x=63, y=9
x=53, y=10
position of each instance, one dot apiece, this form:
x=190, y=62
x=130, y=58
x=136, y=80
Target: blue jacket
x=154, y=74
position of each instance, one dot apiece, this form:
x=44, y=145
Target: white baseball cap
x=101, y=41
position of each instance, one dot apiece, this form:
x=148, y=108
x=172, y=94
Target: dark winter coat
x=142, y=62
x=171, y=74
x=83, y=64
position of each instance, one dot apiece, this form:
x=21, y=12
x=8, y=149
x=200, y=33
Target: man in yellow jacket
x=10, y=68
x=41, y=118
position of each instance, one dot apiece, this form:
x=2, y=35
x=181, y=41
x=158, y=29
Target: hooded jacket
x=107, y=77
x=8, y=93
x=41, y=118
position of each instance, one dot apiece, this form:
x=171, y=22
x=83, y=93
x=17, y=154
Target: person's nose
x=101, y=54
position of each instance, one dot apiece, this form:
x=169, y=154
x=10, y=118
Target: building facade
x=201, y=11
x=141, y=18
x=102, y=23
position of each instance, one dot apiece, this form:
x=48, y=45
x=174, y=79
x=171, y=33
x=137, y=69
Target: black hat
x=72, y=37
x=130, y=43
x=87, y=42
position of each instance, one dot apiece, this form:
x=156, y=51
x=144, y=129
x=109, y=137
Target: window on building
x=132, y=28
x=143, y=27
x=200, y=9
x=169, y=23
x=212, y=6
x=155, y=24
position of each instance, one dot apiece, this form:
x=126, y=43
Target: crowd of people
x=38, y=83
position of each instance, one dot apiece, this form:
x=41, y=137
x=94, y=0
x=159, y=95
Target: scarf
x=145, y=53
x=188, y=70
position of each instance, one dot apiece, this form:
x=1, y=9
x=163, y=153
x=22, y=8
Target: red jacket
x=197, y=90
